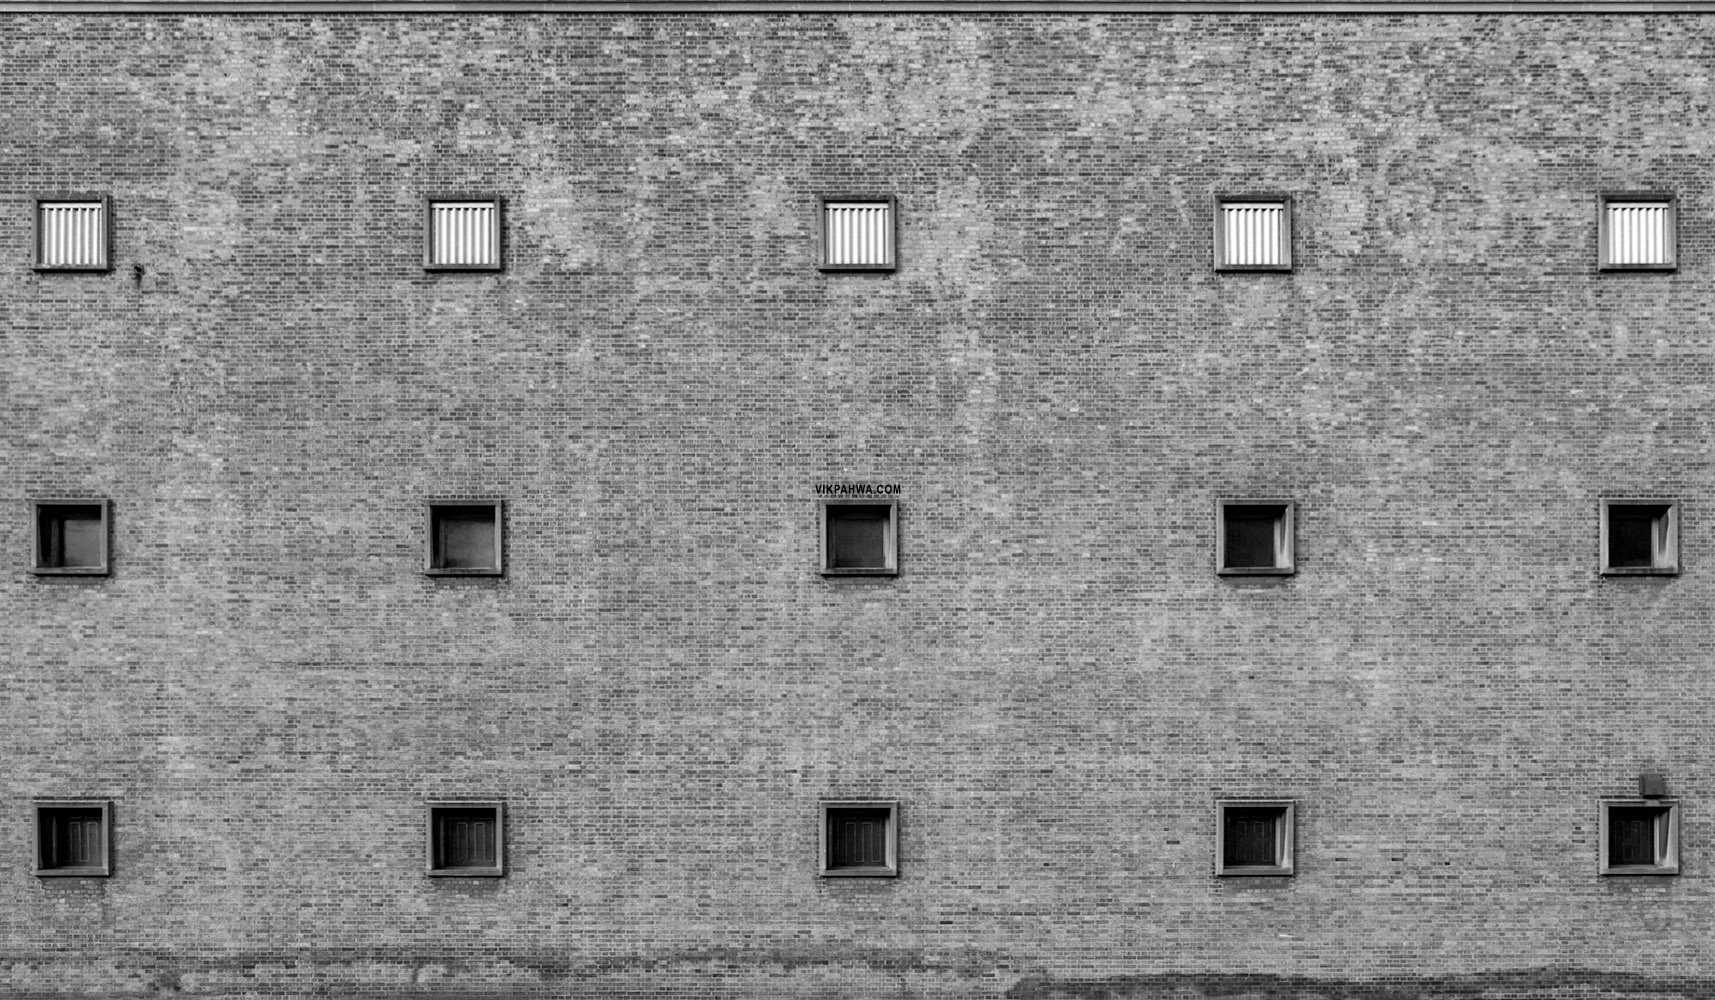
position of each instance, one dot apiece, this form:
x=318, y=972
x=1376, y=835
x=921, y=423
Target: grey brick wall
x=1056, y=687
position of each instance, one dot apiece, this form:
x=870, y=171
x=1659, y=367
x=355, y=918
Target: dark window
x=859, y=538
x=71, y=838
x=1255, y=838
x=1250, y=837
x=465, y=839
x=1254, y=537
x=70, y=537
x=1640, y=837
x=464, y=538
x=1639, y=537
x=859, y=838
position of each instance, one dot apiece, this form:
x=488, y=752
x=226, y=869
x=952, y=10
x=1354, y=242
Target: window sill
x=1252, y=268
x=860, y=873
x=481, y=571
x=463, y=267
x=860, y=571
x=1640, y=870
x=1246, y=871
x=1256, y=571
x=467, y=873
x=72, y=872
x=1638, y=267
x=69, y=570
x=1640, y=571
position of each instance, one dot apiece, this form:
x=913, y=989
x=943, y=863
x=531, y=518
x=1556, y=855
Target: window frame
x=822, y=201
x=431, y=541
x=497, y=243
x=826, y=810
x=890, y=542
x=1603, y=261
x=1671, y=564
x=1668, y=841
x=1286, y=547
x=71, y=197
x=1286, y=229
x=1285, y=838
x=431, y=841
x=104, y=869
x=40, y=507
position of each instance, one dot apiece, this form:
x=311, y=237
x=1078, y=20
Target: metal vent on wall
x=464, y=234
x=1639, y=232
x=1252, y=234
x=857, y=234
x=72, y=234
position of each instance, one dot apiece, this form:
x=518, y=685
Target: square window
x=1253, y=837
x=74, y=839
x=860, y=839
x=856, y=233
x=461, y=233
x=465, y=538
x=1637, y=232
x=860, y=538
x=68, y=537
x=1253, y=233
x=1639, y=837
x=1253, y=537
x=1640, y=537
x=467, y=839
x=72, y=232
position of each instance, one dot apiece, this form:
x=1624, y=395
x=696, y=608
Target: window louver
x=1639, y=234
x=857, y=234
x=1253, y=234
x=71, y=235
x=464, y=234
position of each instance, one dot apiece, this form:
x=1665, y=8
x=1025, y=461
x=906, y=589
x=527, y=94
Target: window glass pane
x=464, y=537
x=857, y=537
x=1250, y=837
x=1631, y=837
x=1250, y=537
x=857, y=838
x=70, y=536
x=466, y=837
x=71, y=838
x=1631, y=536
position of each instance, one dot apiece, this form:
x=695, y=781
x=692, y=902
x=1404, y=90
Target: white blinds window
x=464, y=234
x=71, y=234
x=1640, y=232
x=857, y=234
x=1253, y=234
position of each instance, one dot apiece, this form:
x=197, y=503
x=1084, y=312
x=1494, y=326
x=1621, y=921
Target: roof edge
x=1348, y=7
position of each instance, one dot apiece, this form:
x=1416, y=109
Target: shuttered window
x=1254, y=537
x=859, y=538
x=1639, y=537
x=463, y=234
x=71, y=234
x=1638, y=233
x=1640, y=837
x=72, y=838
x=859, y=838
x=466, y=838
x=857, y=234
x=465, y=538
x=1253, y=234
x=1255, y=838
x=70, y=537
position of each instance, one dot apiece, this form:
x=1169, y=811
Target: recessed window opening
x=465, y=538
x=1639, y=537
x=72, y=838
x=1254, y=537
x=859, y=538
x=462, y=234
x=1254, y=838
x=860, y=838
x=70, y=537
x=466, y=839
x=1253, y=234
x=857, y=234
x=1640, y=837
x=72, y=233
x=1638, y=232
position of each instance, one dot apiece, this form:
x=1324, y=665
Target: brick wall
x=1056, y=687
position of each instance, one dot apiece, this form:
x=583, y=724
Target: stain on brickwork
x=1056, y=687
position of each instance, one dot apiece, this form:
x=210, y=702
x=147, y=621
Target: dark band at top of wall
x=1158, y=7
